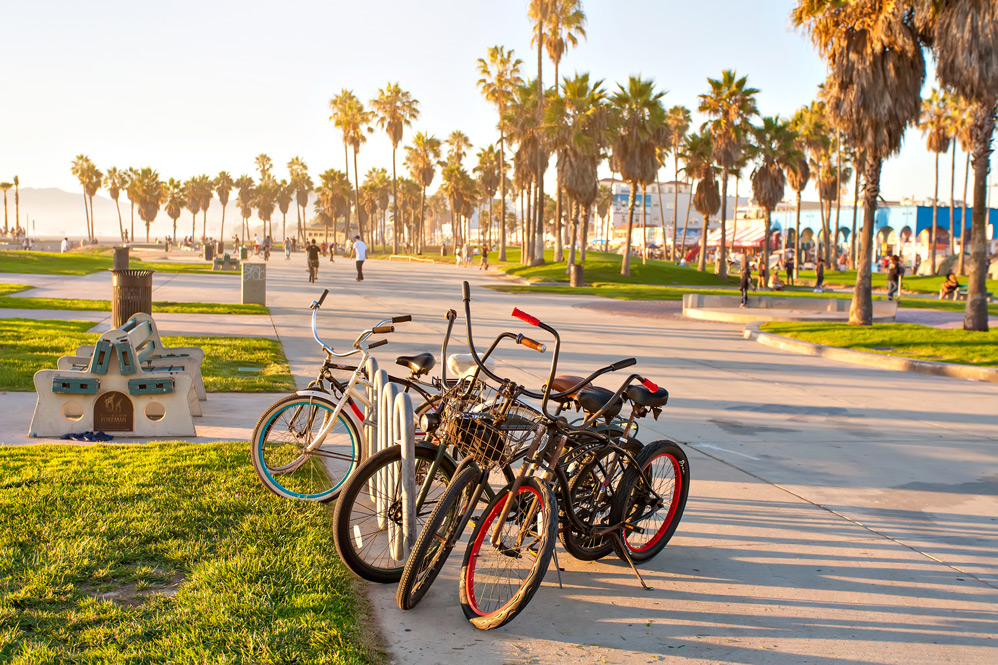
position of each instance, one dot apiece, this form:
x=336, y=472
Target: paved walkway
x=837, y=514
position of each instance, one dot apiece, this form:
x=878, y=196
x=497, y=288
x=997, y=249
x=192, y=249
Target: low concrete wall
x=881, y=308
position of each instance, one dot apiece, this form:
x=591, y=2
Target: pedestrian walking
x=65, y=246
x=287, y=249
x=360, y=255
x=790, y=271
x=894, y=273
x=745, y=282
x=332, y=251
x=485, y=257
x=819, y=276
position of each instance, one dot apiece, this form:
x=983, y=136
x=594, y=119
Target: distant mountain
x=56, y=212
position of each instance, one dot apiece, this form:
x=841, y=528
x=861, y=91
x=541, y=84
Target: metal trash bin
x=219, y=248
x=243, y=253
x=576, y=275
x=120, y=261
x=208, y=252
x=131, y=292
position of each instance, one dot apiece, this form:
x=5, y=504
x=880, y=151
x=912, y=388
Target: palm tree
x=17, y=203
x=811, y=123
x=873, y=53
x=83, y=168
x=641, y=122
x=730, y=104
x=264, y=164
x=244, y=200
x=421, y=159
x=500, y=75
x=341, y=107
x=176, y=200
x=775, y=148
x=193, y=203
x=223, y=187
x=205, y=189
x=935, y=125
x=678, y=123
x=302, y=184
x=380, y=184
x=394, y=110
x=454, y=177
x=697, y=155
x=458, y=145
x=131, y=191
x=285, y=195
x=578, y=124
x=150, y=194
x=114, y=182
x=798, y=175
x=963, y=128
x=964, y=35
x=264, y=201
x=487, y=171
x=355, y=123
x=5, y=186
x=332, y=197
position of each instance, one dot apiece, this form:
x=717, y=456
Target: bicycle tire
x=591, y=493
x=362, y=544
x=667, y=467
x=431, y=550
x=511, y=591
x=279, y=454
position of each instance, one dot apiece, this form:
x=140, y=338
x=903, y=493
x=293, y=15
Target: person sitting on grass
x=949, y=287
x=775, y=283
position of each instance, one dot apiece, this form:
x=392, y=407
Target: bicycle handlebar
x=523, y=316
x=378, y=330
x=374, y=345
x=322, y=298
x=650, y=385
x=405, y=318
x=530, y=344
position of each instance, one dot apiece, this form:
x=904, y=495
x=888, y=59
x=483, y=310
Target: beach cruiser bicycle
x=513, y=539
x=305, y=446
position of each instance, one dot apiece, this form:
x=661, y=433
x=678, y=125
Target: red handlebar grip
x=523, y=316
x=650, y=385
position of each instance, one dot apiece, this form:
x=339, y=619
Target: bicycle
x=313, y=271
x=367, y=509
x=304, y=446
x=504, y=567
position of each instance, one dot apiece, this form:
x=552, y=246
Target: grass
x=898, y=339
x=87, y=262
x=929, y=284
x=7, y=302
x=27, y=346
x=167, y=553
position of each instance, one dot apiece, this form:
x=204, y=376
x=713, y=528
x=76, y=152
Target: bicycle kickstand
x=557, y=566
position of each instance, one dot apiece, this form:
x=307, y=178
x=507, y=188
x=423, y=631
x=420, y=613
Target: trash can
x=576, y=275
x=209, y=252
x=131, y=292
x=219, y=248
x=243, y=253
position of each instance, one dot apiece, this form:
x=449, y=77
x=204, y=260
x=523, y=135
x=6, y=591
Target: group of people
x=465, y=255
x=358, y=252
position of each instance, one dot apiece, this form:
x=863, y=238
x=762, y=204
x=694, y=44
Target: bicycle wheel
x=287, y=458
x=497, y=581
x=651, y=522
x=362, y=539
x=591, y=493
x=436, y=540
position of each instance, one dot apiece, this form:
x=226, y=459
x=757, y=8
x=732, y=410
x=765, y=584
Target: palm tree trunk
x=121, y=223
x=644, y=226
x=963, y=216
x=625, y=265
x=356, y=198
x=559, y=247
x=976, y=315
x=765, y=246
x=538, y=257
x=861, y=310
x=502, y=194
x=93, y=222
x=573, y=225
x=528, y=242
x=86, y=211
x=131, y=235
x=702, y=260
x=395, y=208
x=194, y=225
x=422, y=220
x=585, y=234
x=855, y=213
x=675, y=205
x=686, y=222
x=797, y=242
x=346, y=164
x=952, y=193
x=935, y=213
x=204, y=224
x=607, y=237
x=838, y=188
x=221, y=231
x=734, y=219
x=722, y=267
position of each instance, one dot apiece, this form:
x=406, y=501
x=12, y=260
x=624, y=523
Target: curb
x=894, y=363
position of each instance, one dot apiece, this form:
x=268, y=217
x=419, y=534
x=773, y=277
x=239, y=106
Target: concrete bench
x=225, y=262
x=150, y=351
x=114, y=393
x=961, y=294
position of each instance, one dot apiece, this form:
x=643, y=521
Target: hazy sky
x=192, y=87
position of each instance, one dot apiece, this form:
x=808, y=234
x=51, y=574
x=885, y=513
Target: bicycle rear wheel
x=497, y=581
x=591, y=492
x=650, y=521
x=436, y=540
x=290, y=462
x=360, y=533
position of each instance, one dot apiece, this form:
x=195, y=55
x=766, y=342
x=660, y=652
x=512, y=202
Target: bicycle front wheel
x=361, y=526
x=290, y=459
x=499, y=579
x=650, y=518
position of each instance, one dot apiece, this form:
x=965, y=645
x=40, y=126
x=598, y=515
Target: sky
x=192, y=87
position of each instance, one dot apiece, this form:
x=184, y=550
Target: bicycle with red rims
x=571, y=475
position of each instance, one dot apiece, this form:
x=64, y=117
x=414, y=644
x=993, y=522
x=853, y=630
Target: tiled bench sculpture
x=225, y=262
x=115, y=393
x=152, y=355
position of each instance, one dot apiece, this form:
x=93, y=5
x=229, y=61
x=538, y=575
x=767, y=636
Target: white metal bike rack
x=401, y=538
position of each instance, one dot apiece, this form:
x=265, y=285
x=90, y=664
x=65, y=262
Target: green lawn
x=86, y=262
x=924, y=284
x=7, y=302
x=27, y=346
x=897, y=339
x=167, y=553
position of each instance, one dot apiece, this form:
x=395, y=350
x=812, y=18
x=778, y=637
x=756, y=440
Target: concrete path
x=837, y=514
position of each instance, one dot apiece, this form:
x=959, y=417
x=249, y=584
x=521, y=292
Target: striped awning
x=747, y=236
